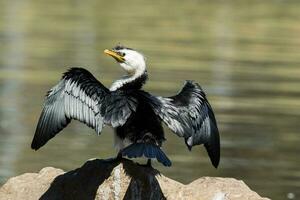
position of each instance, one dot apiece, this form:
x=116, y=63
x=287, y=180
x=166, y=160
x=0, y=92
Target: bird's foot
x=148, y=164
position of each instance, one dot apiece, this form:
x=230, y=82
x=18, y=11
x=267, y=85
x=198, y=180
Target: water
x=245, y=55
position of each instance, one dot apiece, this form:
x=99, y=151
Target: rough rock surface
x=102, y=179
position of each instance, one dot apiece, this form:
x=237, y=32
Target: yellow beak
x=114, y=55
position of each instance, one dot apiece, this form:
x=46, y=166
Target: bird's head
x=130, y=60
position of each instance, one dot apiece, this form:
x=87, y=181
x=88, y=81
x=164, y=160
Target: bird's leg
x=119, y=156
x=149, y=163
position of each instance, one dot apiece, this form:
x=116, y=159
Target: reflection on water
x=245, y=55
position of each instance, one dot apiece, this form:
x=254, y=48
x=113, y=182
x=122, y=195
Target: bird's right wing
x=79, y=95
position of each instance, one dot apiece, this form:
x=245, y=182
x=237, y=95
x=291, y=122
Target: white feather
x=134, y=65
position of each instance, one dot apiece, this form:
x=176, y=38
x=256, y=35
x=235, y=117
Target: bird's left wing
x=79, y=95
x=189, y=115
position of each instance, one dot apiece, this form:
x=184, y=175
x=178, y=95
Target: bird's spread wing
x=189, y=115
x=79, y=95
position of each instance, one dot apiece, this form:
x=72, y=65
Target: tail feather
x=147, y=150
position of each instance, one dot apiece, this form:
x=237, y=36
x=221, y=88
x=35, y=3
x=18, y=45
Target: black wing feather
x=79, y=95
x=189, y=115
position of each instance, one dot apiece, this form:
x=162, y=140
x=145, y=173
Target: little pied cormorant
x=135, y=115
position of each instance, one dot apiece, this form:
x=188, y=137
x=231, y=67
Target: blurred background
x=245, y=55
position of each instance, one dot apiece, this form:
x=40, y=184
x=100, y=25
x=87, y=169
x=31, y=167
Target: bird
x=136, y=116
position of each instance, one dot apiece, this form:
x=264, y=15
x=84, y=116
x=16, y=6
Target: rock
x=103, y=179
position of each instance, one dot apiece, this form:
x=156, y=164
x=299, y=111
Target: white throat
x=127, y=78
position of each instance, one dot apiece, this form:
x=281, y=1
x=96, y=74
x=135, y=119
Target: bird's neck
x=131, y=81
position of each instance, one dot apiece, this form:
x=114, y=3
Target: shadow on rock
x=84, y=182
x=143, y=183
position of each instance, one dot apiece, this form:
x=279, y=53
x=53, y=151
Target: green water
x=245, y=54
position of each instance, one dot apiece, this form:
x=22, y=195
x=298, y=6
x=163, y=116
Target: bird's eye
x=120, y=53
